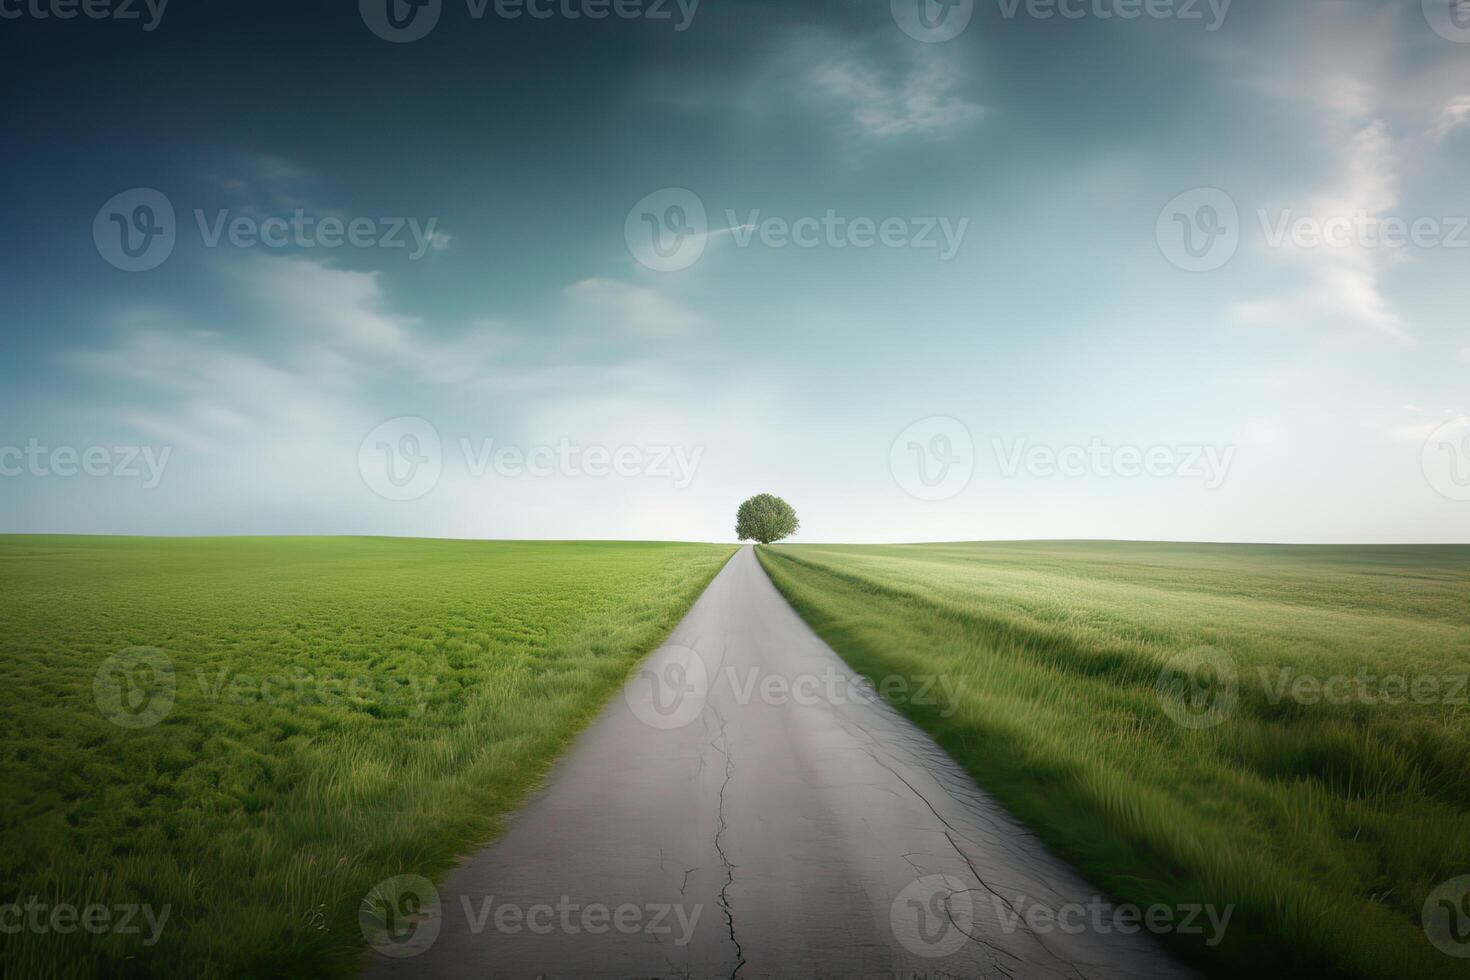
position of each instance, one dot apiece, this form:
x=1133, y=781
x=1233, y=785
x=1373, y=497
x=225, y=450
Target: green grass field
x=345, y=709
x=1324, y=816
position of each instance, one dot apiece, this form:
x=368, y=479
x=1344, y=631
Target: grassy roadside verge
x=342, y=710
x=1325, y=824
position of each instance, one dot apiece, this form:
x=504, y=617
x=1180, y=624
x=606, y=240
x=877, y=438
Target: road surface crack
x=719, y=843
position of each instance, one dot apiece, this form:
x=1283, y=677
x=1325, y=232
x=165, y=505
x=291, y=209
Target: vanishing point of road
x=747, y=809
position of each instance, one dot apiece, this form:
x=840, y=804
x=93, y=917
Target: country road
x=744, y=809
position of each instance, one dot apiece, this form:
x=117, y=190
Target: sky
x=990, y=269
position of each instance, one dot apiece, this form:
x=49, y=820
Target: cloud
x=342, y=314
x=1384, y=117
x=917, y=101
x=1456, y=113
x=1343, y=283
x=637, y=310
x=1340, y=78
x=197, y=391
x=1413, y=423
x=867, y=92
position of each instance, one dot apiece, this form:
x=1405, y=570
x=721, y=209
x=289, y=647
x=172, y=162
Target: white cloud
x=1385, y=116
x=1343, y=280
x=1413, y=423
x=1456, y=113
x=343, y=314
x=866, y=93
x=638, y=310
x=917, y=101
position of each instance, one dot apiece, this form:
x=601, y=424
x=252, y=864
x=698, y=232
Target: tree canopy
x=765, y=518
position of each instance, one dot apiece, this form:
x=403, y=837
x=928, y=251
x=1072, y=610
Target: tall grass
x=428, y=685
x=1324, y=824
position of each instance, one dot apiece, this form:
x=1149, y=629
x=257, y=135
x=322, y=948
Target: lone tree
x=765, y=518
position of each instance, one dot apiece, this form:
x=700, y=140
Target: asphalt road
x=747, y=809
